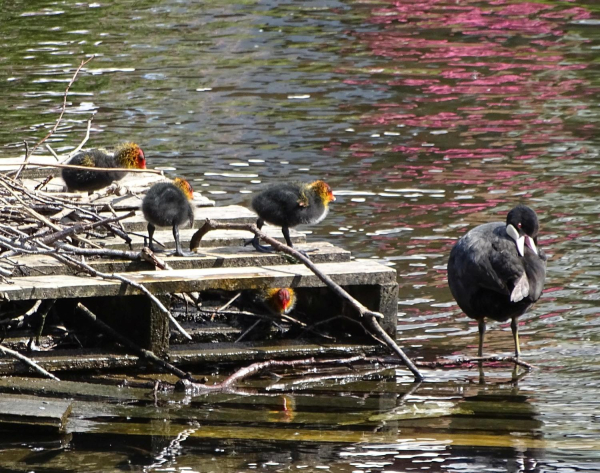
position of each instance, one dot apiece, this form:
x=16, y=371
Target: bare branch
x=93, y=169
x=369, y=316
x=83, y=142
x=62, y=112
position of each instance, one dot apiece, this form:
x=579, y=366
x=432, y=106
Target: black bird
x=497, y=271
x=167, y=204
x=126, y=155
x=290, y=204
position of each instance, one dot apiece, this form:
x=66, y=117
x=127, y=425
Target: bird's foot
x=154, y=249
x=258, y=247
x=180, y=252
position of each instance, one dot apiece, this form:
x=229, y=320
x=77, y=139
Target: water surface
x=426, y=117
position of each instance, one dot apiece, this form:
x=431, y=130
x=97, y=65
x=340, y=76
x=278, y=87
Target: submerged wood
x=18, y=412
x=369, y=316
x=476, y=360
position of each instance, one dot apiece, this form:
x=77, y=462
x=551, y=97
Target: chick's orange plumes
x=131, y=156
x=323, y=190
x=185, y=187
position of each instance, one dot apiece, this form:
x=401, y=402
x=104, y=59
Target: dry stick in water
x=32, y=364
x=227, y=383
x=141, y=352
x=62, y=112
x=369, y=316
x=80, y=265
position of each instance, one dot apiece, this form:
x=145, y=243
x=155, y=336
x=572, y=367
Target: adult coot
x=167, y=204
x=127, y=155
x=290, y=204
x=496, y=270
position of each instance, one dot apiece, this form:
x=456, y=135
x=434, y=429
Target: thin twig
x=28, y=361
x=94, y=169
x=223, y=307
x=83, y=142
x=78, y=228
x=52, y=152
x=62, y=112
x=240, y=338
x=369, y=316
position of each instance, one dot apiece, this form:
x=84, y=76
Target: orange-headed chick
x=127, y=155
x=168, y=204
x=291, y=204
x=278, y=300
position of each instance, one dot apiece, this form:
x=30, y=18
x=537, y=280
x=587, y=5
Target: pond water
x=426, y=117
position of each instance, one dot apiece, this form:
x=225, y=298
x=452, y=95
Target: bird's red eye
x=519, y=225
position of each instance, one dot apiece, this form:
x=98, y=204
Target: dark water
x=426, y=117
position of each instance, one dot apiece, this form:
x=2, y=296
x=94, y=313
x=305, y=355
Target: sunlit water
x=426, y=117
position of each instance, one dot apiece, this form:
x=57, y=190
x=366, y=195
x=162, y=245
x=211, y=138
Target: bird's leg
x=481, y=335
x=178, y=250
x=288, y=240
x=151, y=229
x=515, y=331
x=286, y=235
x=255, y=241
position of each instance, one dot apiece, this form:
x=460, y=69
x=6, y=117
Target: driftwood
x=228, y=384
x=369, y=317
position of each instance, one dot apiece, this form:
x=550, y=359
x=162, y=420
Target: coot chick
x=289, y=205
x=277, y=300
x=497, y=271
x=127, y=155
x=168, y=204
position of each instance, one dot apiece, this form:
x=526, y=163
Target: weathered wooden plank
x=184, y=355
x=18, y=412
x=225, y=214
x=71, y=389
x=214, y=238
x=359, y=272
x=222, y=257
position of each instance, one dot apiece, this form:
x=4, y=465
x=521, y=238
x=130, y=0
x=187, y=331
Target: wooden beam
x=360, y=272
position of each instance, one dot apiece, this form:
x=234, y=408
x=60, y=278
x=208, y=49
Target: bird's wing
x=521, y=289
x=493, y=261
